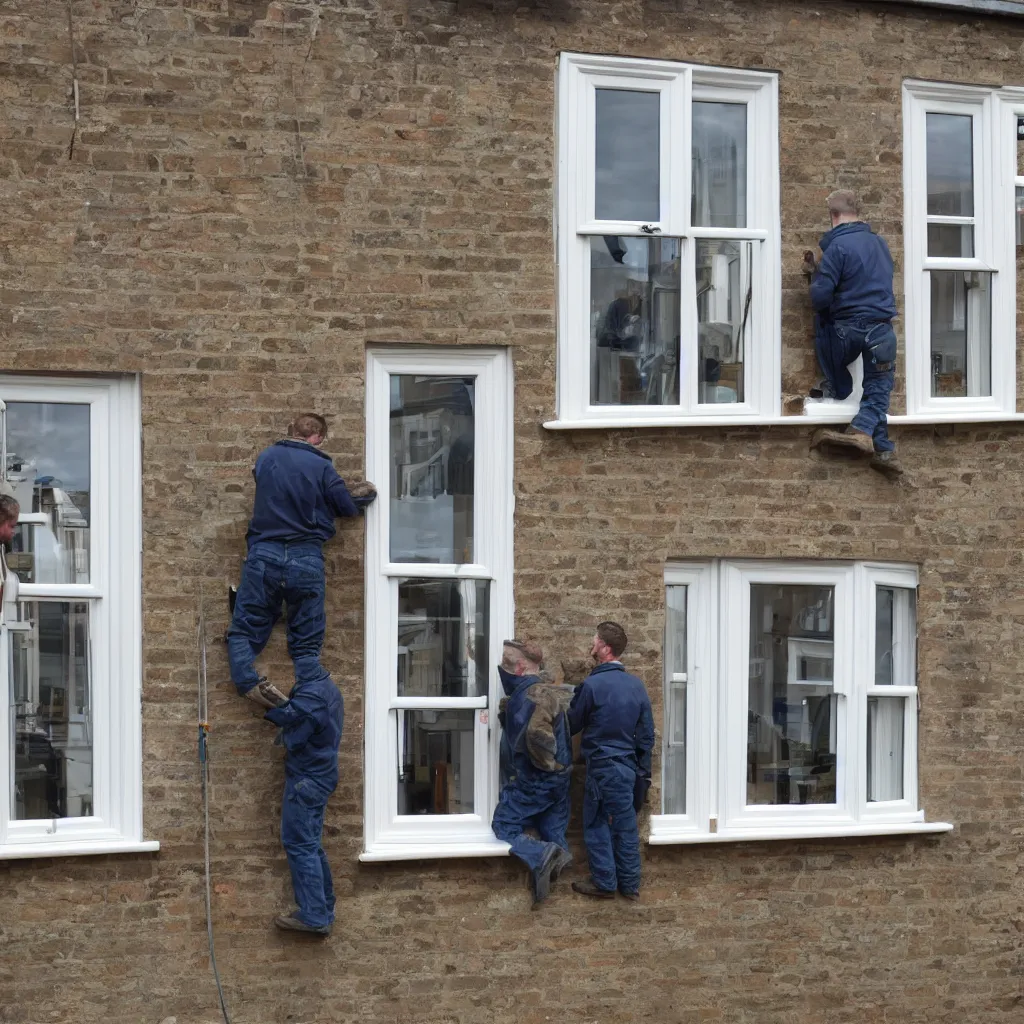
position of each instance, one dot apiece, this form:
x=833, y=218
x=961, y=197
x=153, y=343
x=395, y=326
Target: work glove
x=640, y=788
x=809, y=265
x=267, y=695
x=363, y=493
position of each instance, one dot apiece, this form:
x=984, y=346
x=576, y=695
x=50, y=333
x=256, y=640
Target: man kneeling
x=537, y=756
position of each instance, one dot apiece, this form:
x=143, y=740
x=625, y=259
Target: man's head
x=843, y=207
x=309, y=427
x=522, y=657
x=9, y=509
x=609, y=642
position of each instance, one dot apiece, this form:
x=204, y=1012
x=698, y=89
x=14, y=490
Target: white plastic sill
x=817, y=417
x=670, y=838
x=432, y=851
x=75, y=848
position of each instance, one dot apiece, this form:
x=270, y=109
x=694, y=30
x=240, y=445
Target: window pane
x=884, y=599
x=886, y=716
x=950, y=240
x=628, y=155
x=674, y=790
x=51, y=704
x=950, y=156
x=435, y=762
x=720, y=165
x=443, y=638
x=634, y=318
x=961, y=329
x=791, y=721
x=48, y=467
x=431, y=486
x=725, y=288
x=895, y=636
x=1020, y=215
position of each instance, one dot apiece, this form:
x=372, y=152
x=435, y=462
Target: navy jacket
x=311, y=724
x=534, y=721
x=613, y=710
x=854, y=278
x=298, y=495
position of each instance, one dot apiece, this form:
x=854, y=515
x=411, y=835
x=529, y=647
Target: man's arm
x=826, y=281
x=644, y=738
x=580, y=708
x=338, y=498
x=298, y=719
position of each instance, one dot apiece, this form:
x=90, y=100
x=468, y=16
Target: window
x=438, y=597
x=669, y=265
x=959, y=155
x=70, y=632
x=790, y=704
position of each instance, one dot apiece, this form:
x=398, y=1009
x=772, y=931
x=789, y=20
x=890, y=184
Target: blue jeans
x=609, y=826
x=542, y=804
x=274, y=573
x=302, y=826
x=838, y=344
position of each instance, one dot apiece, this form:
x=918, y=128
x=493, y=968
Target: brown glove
x=810, y=264
x=267, y=695
x=361, y=489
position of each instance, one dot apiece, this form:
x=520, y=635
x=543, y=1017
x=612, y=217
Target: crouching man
x=311, y=722
x=537, y=762
x=613, y=711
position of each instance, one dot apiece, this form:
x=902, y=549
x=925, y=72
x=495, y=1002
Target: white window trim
x=115, y=628
x=717, y=679
x=577, y=76
x=994, y=174
x=386, y=835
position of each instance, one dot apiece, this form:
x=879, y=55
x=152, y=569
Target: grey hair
x=9, y=508
x=843, y=201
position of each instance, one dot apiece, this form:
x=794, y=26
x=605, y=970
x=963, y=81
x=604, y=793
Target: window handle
x=650, y=229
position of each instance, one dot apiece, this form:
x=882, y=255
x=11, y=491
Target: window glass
x=51, y=702
x=886, y=717
x=674, y=794
x=725, y=287
x=628, y=155
x=950, y=240
x=634, y=318
x=961, y=333
x=719, y=169
x=431, y=460
x=435, y=761
x=950, y=164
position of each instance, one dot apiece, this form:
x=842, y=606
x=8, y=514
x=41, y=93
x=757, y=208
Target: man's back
x=854, y=280
x=613, y=710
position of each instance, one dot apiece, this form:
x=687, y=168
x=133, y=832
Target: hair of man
x=843, y=201
x=308, y=424
x=613, y=635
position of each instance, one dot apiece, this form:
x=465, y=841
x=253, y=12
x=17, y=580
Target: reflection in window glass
x=51, y=702
x=48, y=467
x=886, y=717
x=435, y=761
x=961, y=333
x=791, y=719
x=431, y=486
x=725, y=289
x=674, y=789
x=628, y=155
x=950, y=163
x=950, y=240
x=719, y=165
x=443, y=638
x=634, y=321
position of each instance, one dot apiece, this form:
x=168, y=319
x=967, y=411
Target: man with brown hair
x=298, y=496
x=613, y=711
x=851, y=291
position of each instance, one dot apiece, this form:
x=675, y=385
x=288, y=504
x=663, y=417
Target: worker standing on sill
x=854, y=304
x=298, y=496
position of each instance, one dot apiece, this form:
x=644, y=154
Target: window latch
x=650, y=229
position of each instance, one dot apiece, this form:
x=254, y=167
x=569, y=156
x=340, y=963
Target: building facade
x=539, y=265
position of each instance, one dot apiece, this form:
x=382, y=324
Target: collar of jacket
x=291, y=442
x=850, y=228
x=608, y=666
x=513, y=680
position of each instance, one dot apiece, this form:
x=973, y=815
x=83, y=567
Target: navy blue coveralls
x=531, y=797
x=298, y=496
x=612, y=709
x=854, y=305
x=311, y=724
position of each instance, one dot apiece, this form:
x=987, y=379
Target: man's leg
x=302, y=823
x=879, y=378
x=305, y=590
x=617, y=786
x=257, y=608
x=513, y=814
x=597, y=836
x=325, y=868
x=834, y=358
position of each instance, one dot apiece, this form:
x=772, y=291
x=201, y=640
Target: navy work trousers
x=302, y=826
x=609, y=826
x=539, y=803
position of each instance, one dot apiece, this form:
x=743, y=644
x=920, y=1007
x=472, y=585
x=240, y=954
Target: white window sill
x=76, y=848
x=669, y=837
x=433, y=851
x=820, y=415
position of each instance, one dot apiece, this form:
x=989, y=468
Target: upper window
x=668, y=241
x=959, y=167
x=790, y=702
x=438, y=597
x=70, y=625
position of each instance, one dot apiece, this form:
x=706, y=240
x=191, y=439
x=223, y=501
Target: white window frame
x=115, y=627
x=717, y=680
x=387, y=835
x=995, y=169
x=679, y=84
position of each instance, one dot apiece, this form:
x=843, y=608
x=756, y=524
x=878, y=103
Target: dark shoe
x=588, y=888
x=887, y=464
x=291, y=923
x=821, y=390
x=267, y=695
x=562, y=860
x=633, y=896
x=848, y=438
x=542, y=879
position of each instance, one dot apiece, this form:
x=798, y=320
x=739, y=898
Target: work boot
x=632, y=896
x=542, y=879
x=562, y=860
x=887, y=464
x=588, y=888
x=292, y=923
x=266, y=694
x=821, y=390
x=848, y=438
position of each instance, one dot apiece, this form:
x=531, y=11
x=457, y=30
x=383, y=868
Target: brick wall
x=255, y=192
